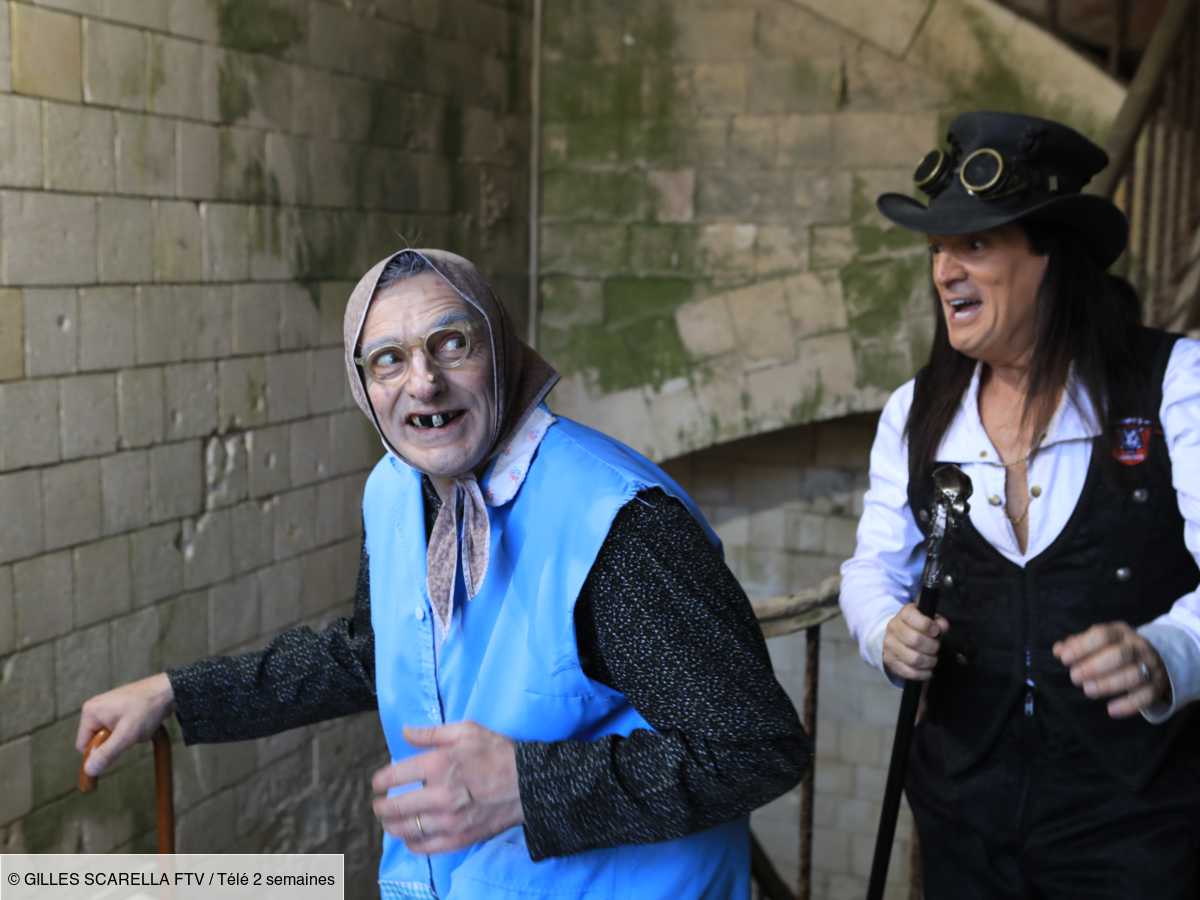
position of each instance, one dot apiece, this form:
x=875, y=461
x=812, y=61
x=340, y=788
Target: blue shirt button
x=419, y=612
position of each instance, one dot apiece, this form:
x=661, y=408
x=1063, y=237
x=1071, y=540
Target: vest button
x=1036, y=490
x=923, y=515
x=1124, y=573
x=961, y=658
x=1141, y=495
x=994, y=499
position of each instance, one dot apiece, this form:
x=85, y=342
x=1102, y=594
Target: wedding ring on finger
x=1144, y=671
x=420, y=830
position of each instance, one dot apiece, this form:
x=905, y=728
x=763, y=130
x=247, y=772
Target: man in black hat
x=1057, y=756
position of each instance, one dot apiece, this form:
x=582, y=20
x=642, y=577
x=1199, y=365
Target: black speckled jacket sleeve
x=301, y=677
x=673, y=631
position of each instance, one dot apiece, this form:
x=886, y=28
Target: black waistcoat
x=1121, y=557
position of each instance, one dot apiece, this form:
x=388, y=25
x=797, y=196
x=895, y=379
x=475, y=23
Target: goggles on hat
x=984, y=173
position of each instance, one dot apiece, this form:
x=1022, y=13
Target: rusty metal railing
x=805, y=611
x=1154, y=172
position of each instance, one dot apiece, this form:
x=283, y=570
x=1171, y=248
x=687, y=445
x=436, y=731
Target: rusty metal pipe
x=808, y=787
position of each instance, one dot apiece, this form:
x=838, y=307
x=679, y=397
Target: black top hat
x=1003, y=167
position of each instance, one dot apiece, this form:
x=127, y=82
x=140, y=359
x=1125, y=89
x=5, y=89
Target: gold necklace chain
x=1016, y=522
x=1034, y=448
x=1017, y=462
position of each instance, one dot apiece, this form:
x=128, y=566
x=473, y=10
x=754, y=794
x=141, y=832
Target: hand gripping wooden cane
x=164, y=800
x=952, y=488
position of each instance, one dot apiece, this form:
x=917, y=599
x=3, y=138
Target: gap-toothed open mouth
x=434, y=420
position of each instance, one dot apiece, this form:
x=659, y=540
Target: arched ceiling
x=713, y=266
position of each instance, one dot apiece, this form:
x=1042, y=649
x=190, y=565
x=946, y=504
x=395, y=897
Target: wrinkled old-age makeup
x=439, y=419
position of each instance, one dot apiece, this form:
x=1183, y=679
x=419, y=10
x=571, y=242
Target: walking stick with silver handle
x=951, y=490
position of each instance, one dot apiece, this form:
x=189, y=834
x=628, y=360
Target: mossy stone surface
x=259, y=26
x=628, y=300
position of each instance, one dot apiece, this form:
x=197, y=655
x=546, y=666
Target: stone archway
x=713, y=265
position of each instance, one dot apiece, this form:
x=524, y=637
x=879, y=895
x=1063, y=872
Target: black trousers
x=1039, y=819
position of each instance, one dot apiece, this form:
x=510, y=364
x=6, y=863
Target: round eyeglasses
x=446, y=347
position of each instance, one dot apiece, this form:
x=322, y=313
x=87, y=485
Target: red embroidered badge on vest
x=1133, y=441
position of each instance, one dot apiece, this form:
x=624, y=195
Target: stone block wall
x=712, y=264
x=786, y=505
x=187, y=190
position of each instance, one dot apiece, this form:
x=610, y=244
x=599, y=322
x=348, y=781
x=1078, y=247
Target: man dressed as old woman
x=576, y=696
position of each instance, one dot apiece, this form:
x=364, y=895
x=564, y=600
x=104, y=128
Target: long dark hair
x=1082, y=316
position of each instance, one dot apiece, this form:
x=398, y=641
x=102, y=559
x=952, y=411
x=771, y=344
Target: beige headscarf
x=521, y=379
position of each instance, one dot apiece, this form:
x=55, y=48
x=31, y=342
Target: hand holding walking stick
x=952, y=489
x=163, y=796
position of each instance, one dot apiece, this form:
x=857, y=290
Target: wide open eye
x=448, y=346
x=387, y=362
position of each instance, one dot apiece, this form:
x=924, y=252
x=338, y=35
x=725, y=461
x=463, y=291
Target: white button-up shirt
x=885, y=571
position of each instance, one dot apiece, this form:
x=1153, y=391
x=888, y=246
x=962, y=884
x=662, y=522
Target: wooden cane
x=952, y=488
x=164, y=800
